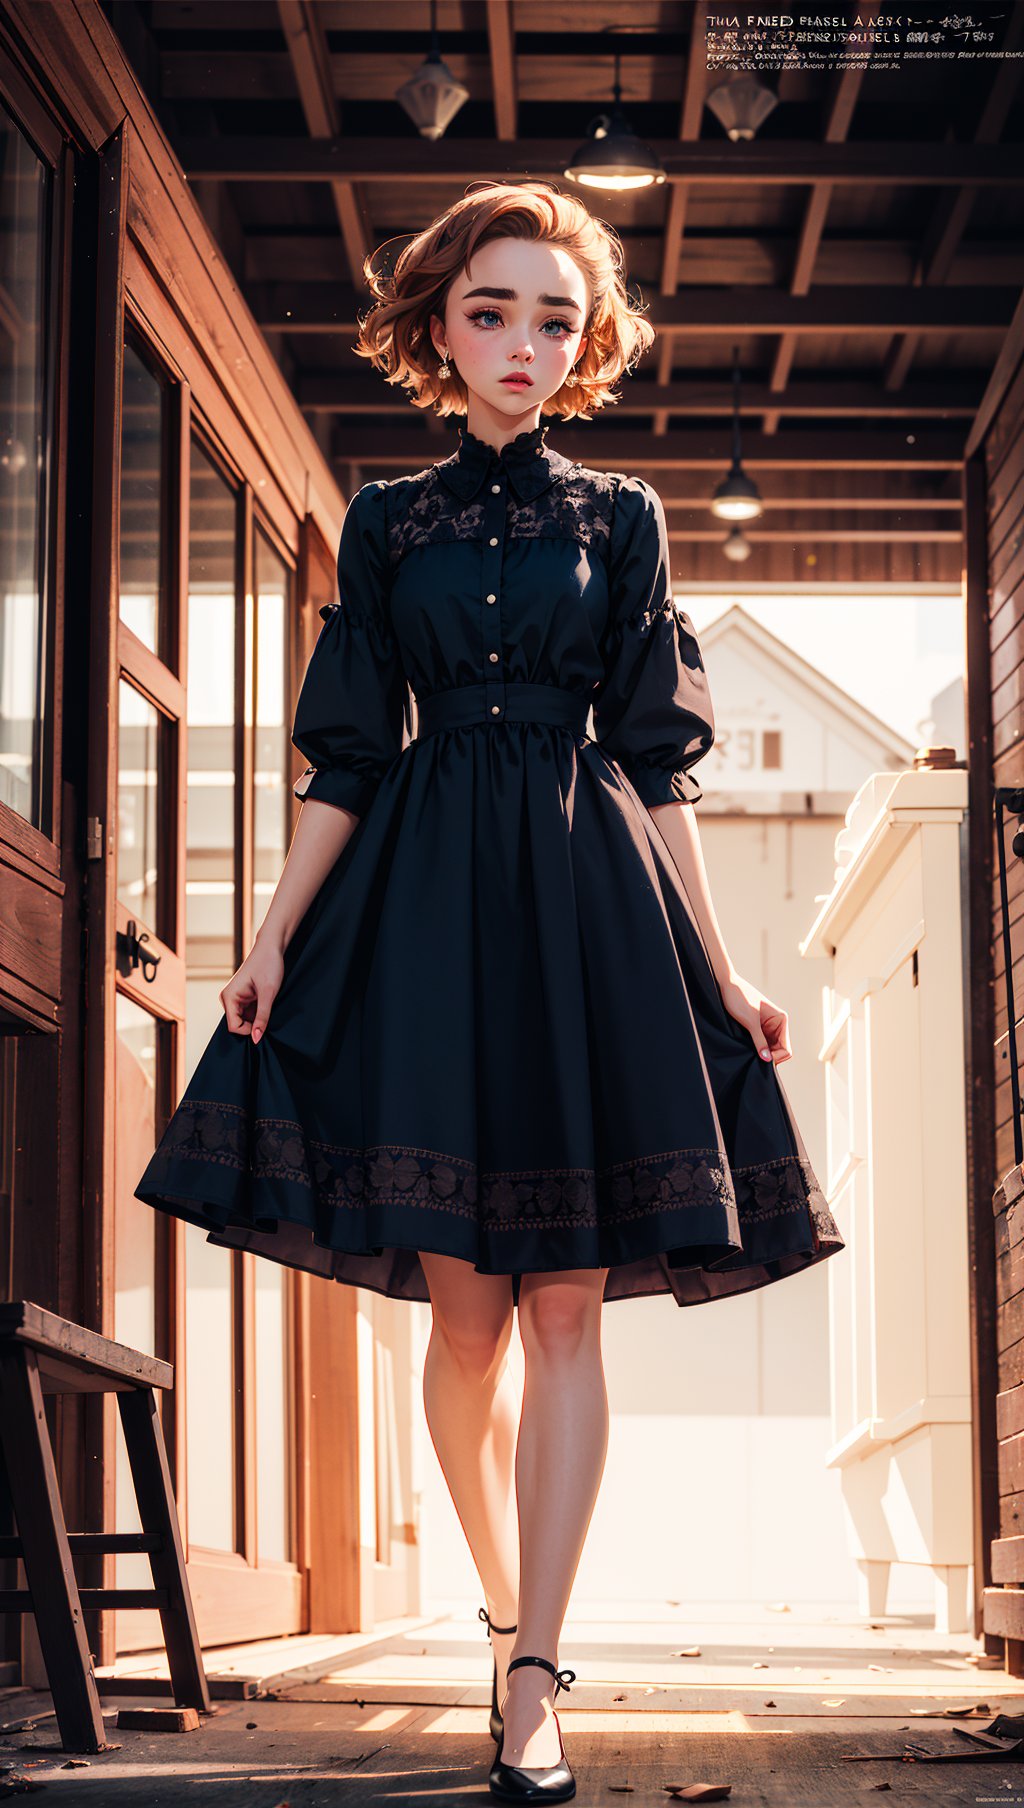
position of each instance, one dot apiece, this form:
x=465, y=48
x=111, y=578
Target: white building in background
x=946, y=725
x=789, y=742
x=715, y=1487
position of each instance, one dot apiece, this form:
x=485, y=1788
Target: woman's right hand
x=249, y=994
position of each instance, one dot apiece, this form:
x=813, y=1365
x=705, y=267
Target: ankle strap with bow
x=484, y=1615
x=562, y=1677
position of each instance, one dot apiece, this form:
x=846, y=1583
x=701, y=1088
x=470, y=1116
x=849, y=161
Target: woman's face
x=518, y=314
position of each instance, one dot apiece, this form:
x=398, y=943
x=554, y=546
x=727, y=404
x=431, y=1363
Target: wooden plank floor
x=403, y=1716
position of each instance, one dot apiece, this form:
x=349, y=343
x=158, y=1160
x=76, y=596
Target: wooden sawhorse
x=43, y=1354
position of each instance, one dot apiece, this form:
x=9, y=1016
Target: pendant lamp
x=736, y=546
x=612, y=156
x=741, y=104
x=432, y=96
x=737, y=497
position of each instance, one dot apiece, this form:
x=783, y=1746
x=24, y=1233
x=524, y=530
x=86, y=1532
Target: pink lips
x=518, y=382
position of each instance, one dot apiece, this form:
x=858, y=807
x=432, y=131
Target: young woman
x=488, y=1048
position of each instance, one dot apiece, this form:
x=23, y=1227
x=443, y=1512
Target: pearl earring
x=444, y=369
x=571, y=380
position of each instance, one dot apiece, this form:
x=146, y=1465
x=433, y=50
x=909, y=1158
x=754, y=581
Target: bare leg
x=472, y=1408
x=560, y=1457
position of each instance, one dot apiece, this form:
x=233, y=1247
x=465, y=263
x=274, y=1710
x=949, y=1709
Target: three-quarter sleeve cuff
x=333, y=785
x=657, y=785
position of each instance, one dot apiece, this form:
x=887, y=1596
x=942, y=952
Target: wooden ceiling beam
x=778, y=163
x=844, y=89
x=838, y=534
x=749, y=260
x=706, y=312
x=1010, y=354
x=354, y=221
x=946, y=394
x=690, y=115
x=501, y=44
x=690, y=118
x=909, y=495
x=550, y=78
x=875, y=503
x=311, y=67
x=946, y=227
x=930, y=449
x=914, y=510
x=951, y=211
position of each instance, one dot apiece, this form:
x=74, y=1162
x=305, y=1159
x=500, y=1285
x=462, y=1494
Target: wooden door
x=187, y=782
x=244, y=1316
x=135, y=977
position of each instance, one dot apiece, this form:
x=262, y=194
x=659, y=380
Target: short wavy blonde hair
x=395, y=333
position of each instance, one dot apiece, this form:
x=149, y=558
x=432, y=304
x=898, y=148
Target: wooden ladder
x=43, y=1354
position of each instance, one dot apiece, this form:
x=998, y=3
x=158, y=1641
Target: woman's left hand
x=767, y=1022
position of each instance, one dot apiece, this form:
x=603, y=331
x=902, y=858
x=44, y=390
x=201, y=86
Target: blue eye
x=562, y=327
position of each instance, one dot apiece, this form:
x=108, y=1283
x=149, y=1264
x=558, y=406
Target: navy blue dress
x=498, y=1036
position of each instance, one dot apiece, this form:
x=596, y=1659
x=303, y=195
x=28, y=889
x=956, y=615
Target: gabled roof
x=736, y=623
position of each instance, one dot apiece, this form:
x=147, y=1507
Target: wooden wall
x=150, y=254
x=994, y=596
x=1003, y=461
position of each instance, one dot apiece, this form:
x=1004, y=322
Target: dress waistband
x=468, y=704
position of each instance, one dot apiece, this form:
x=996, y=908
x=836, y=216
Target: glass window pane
x=142, y=491
x=136, y=1086
x=210, y=961
x=141, y=751
x=136, y=1057
x=270, y=819
x=209, y=1393
x=273, y=1429
x=210, y=874
x=25, y=198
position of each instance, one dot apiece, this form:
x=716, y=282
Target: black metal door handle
x=132, y=954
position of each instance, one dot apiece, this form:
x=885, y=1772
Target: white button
x=493, y=657
x=495, y=709
x=495, y=489
x=493, y=541
x=491, y=598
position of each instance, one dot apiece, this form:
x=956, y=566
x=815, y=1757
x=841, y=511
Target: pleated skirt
x=499, y=1038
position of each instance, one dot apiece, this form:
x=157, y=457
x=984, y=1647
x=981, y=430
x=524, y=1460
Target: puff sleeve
x=351, y=707
x=652, y=712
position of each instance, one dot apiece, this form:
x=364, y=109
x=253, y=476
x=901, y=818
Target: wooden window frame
x=274, y=1595
x=39, y=844
x=276, y=1591
x=771, y=744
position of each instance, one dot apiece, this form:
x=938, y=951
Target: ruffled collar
x=530, y=464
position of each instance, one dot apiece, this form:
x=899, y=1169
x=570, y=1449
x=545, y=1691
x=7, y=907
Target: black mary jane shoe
x=535, y=1783
x=496, y=1724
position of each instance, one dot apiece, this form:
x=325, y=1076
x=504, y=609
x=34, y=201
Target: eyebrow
x=549, y=301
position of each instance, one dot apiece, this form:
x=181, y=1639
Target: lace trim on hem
x=224, y=1135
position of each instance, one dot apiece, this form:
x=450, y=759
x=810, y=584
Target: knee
x=555, y=1320
x=477, y=1342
